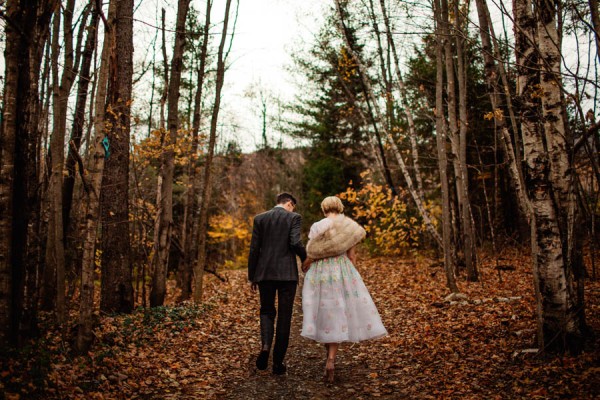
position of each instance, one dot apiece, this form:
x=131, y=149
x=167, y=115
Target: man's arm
x=295, y=237
x=255, y=245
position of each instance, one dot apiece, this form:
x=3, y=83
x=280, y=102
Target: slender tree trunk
x=389, y=99
x=95, y=170
x=207, y=183
x=75, y=219
x=386, y=81
x=466, y=214
x=79, y=118
x=116, y=294
x=165, y=93
x=48, y=289
x=441, y=129
x=596, y=24
x=189, y=252
x=156, y=270
x=55, y=246
x=72, y=216
x=412, y=133
x=492, y=71
x=162, y=243
x=44, y=122
x=453, y=132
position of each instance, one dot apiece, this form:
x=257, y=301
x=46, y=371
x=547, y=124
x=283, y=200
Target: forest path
x=435, y=349
x=305, y=361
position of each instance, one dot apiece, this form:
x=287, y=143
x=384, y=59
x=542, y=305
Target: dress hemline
x=346, y=340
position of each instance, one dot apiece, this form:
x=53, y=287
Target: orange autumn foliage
x=393, y=228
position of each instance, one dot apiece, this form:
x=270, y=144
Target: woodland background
x=455, y=131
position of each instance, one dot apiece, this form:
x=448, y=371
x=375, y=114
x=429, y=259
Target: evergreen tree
x=331, y=118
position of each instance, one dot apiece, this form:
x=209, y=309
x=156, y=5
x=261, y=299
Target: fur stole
x=341, y=237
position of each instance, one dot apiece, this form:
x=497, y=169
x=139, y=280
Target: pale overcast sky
x=266, y=34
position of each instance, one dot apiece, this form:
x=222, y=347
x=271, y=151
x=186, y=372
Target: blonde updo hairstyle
x=332, y=204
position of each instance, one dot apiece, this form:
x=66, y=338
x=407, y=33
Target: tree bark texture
x=162, y=243
x=27, y=29
x=559, y=144
x=116, y=294
x=49, y=282
x=546, y=162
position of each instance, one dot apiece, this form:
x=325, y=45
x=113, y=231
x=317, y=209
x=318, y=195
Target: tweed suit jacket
x=274, y=246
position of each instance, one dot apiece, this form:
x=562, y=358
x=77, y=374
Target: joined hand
x=306, y=264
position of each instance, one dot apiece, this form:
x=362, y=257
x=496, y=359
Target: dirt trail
x=306, y=362
x=435, y=349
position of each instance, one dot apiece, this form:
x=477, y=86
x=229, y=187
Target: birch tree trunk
x=116, y=293
x=162, y=244
x=547, y=162
x=190, y=216
x=95, y=170
x=412, y=133
x=207, y=181
x=568, y=319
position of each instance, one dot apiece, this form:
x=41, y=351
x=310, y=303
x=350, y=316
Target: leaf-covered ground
x=469, y=349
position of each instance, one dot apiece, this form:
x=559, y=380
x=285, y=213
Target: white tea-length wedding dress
x=336, y=304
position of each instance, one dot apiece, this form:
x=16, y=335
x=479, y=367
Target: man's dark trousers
x=286, y=292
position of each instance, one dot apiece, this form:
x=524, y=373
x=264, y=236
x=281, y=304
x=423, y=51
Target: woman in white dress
x=336, y=304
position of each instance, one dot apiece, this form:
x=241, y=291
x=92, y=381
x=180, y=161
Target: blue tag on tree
x=106, y=145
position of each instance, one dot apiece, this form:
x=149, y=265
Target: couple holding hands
x=336, y=304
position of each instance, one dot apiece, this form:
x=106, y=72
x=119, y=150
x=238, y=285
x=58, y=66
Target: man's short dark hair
x=284, y=197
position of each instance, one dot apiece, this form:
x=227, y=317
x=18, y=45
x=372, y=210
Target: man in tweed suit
x=273, y=269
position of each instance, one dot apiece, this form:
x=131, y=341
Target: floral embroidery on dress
x=336, y=304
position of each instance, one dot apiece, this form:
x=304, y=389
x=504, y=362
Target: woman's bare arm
x=352, y=255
